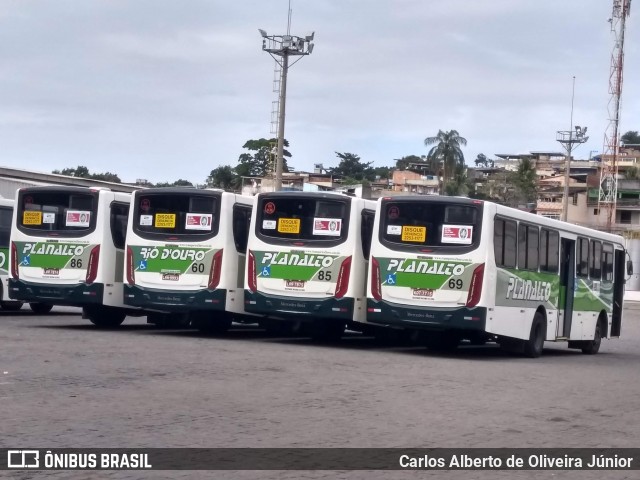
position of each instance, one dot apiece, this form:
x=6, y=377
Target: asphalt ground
x=66, y=383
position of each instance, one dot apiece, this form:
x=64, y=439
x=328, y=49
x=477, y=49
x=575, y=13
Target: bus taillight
x=131, y=276
x=92, y=268
x=216, y=268
x=14, y=261
x=251, y=273
x=475, y=290
x=342, y=284
x=376, y=288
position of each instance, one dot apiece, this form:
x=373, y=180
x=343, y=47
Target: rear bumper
x=426, y=318
x=174, y=301
x=76, y=295
x=298, y=308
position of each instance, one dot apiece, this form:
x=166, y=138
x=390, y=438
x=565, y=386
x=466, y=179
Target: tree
x=223, y=177
x=630, y=138
x=446, y=152
x=382, y=172
x=482, y=159
x=353, y=169
x=525, y=181
x=177, y=183
x=458, y=184
x=258, y=162
x=413, y=163
x=83, y=172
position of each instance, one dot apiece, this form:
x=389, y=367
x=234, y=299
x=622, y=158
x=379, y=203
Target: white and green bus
x=307, y=260
x=186, y=256
x=6, y=217
x=67, y=248
x=453, y=268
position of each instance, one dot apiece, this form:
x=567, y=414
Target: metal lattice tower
x=609, y=168
x=275, y=116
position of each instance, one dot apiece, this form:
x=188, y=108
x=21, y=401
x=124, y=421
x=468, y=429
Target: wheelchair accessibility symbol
x=266, y=271
x=391, y=279
x=26, y=261
x=143, y=265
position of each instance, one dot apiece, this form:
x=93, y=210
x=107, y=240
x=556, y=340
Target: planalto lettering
x=298, y=260
x=425, y=266
x=52, y=249
x=520, y=289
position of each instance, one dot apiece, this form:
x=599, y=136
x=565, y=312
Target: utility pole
x=569, y=138
x=281, y=47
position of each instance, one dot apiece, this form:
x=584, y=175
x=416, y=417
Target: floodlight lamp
x=309, y=38
x=310, y=49
x=262, y=32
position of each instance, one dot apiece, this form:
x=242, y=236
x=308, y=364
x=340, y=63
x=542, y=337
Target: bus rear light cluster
x=475, y=290
x=131, y=276
x=251, y=273
x=92, y=268
x=376, y=287
x=216, y=269
x=342, y=284
x=14, y=261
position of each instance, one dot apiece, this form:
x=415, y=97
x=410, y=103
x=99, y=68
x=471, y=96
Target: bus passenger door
x=618, y=293
x=567, y=286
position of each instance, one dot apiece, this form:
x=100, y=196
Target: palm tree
x=446, y=152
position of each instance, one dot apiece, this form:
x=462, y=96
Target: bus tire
x=40, y=308
x=591, y=347
x=327, y=331
x=11, y=306
x=533, y=346
x=103, y=316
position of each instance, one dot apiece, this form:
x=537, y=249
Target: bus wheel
x=11, y=306
x=442, y=341
x=533, y=346
x=591, y=347
x=327, y=331
x=103, y=316
x=40, y=308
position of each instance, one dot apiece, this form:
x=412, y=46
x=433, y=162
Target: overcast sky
x=161, y=89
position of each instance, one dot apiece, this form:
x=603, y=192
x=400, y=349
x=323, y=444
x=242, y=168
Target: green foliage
x=257, y=162
x=632, y=137
x=414, y=163
x=223, y=177
x=83, y=172
x=353, y=169
x=632, y=173
x=446, y=153
x=482, y=161
x=177, y=183
x=383, y=172
x=524, y=181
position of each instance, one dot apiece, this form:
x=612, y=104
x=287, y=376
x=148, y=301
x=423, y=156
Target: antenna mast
x=609, y=161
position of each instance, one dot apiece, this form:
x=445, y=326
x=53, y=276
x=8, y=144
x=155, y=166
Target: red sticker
x=269, y=208
x=145, y=204
x=393, y=212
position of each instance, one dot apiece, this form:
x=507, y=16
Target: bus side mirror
x=629, y=267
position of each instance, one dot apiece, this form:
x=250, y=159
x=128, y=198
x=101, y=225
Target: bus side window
x=6, y=215
x=504, y=242
x=527, y=247
x=366, y=231
x=118, y=219
x=549, y=250
x=582, y=257
x=595, y=260
x=607, y=262
x=241, y=222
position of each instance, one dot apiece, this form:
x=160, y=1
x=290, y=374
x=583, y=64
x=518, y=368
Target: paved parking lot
x=65, y=383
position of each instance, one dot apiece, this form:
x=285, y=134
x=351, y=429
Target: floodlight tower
x=281, y=47
x=609, y=166
x=569, y=139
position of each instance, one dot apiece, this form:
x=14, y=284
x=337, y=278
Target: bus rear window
x=64, y=213
x=303, y=219
x=432, y=224
x=170, y=214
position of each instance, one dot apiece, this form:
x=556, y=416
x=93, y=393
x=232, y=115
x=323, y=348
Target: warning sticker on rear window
x=460, y=234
